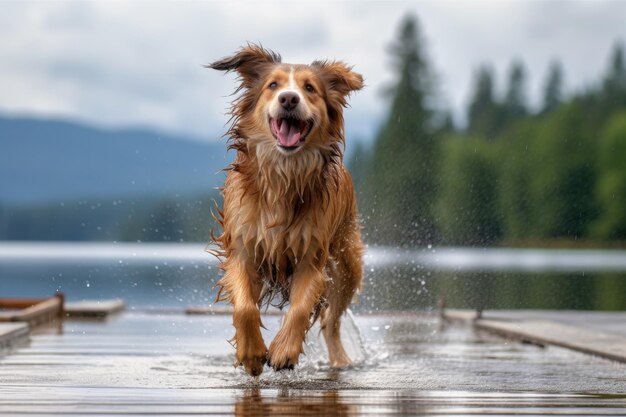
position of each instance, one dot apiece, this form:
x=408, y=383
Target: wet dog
x=290, y=232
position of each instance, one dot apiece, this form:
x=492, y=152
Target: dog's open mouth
x=290, y=132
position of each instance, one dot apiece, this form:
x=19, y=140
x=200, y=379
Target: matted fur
x=289, y=221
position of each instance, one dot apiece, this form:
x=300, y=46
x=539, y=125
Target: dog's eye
x=273, y=85
x=309, y=88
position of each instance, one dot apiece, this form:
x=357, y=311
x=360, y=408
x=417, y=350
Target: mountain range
x=43, y=161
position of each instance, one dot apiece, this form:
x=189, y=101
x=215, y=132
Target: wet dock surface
x=142, y=363
x=594, y=333
x=606, y=321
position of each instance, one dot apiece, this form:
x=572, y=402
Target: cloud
x=139, y=63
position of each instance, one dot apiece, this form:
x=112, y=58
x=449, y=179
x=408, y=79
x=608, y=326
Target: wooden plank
x=19, y=303
x=43, y=311
x=12, y=333
x=94, y=308
x=543, y=332
x=548, y=332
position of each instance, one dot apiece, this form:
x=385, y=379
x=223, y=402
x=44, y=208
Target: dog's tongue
x=288, y=134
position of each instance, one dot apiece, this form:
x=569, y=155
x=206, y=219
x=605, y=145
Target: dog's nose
x=288, y=100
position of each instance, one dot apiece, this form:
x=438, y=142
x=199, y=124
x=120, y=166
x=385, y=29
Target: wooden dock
x=169, y=363
x=594, y=333
x=18, y=317
x=33, y=311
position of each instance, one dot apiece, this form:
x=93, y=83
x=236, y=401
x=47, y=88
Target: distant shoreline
x=453, y=259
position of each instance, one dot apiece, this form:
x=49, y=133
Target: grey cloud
x=134, y=63
x=79, y=16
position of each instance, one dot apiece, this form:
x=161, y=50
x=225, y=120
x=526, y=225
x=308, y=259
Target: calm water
x=180, y=275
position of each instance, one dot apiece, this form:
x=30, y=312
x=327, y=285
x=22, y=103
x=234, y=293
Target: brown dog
x=289, y=220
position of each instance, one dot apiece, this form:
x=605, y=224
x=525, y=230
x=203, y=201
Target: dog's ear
x=339, y=76
x=250, y=62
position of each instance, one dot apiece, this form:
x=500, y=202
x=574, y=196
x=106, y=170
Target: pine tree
x=610, y=188
x=482, y=111
x=357, y=165
x=515, y=99
x=400, y=178
x=553, y=94
x=563, y=176
x=614, y=91
x=467, y=200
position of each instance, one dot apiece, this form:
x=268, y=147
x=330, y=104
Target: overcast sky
x=119, y=64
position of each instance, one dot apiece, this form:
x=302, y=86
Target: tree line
x=177, y=218
x=512, y=175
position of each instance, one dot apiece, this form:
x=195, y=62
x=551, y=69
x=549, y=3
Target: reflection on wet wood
x=254, y=402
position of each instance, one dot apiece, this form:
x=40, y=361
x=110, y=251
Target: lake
x=174, y=275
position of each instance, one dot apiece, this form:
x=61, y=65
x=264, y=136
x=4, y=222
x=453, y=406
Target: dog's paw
x=341, y=363
x=252, y=360
x=281, y=366
x=283, y=353
x=337, y=357
x=254, y=364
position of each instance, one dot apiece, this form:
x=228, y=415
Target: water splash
x=315, y=352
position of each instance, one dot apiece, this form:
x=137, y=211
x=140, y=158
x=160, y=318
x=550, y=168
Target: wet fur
x=289, y=221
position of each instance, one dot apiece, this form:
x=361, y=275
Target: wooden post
x=61, y=297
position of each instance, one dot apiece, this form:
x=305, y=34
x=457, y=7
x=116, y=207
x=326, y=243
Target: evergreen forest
x=514, y=175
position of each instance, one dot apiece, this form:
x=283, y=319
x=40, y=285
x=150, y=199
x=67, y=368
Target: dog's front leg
x=307, y=287
x=243, y=288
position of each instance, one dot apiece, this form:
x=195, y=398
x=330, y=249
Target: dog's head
x=287, y=107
